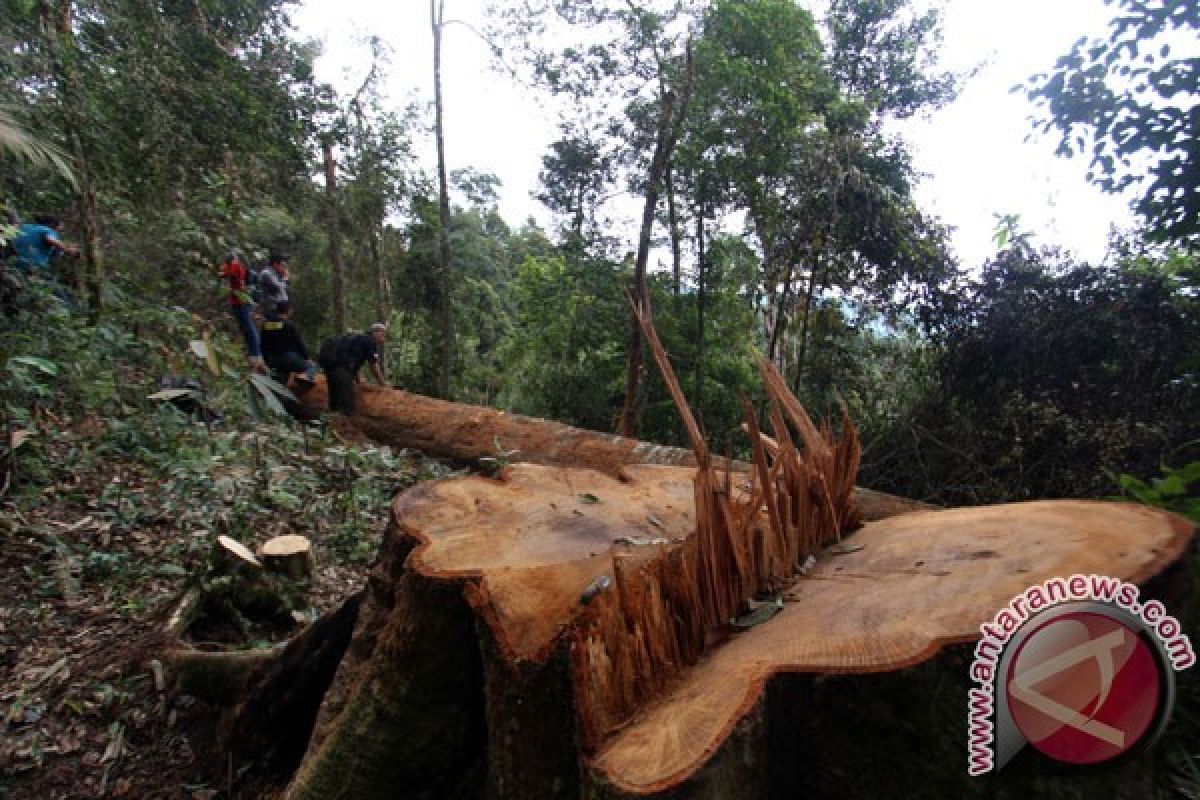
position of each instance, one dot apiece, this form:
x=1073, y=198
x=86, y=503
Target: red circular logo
x=1084, y=688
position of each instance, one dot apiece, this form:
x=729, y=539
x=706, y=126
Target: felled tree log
x=464, y=676
x=467, y=433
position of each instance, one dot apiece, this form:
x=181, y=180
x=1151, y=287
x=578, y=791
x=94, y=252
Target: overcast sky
x=975, y=152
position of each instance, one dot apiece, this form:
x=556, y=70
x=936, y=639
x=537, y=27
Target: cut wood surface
x=540, y=537
x=229, y=552
x=920, y=581
x=290, y=555
x=533, y=542
x=465, y=432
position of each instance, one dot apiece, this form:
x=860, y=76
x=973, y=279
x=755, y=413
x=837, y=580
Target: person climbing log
x=343, y=356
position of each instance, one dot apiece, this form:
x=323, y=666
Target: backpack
x=254, y=285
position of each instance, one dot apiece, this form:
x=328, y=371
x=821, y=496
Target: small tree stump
x=230, y=555
x=289, y=555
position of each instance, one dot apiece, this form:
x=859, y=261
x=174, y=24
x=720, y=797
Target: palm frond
x=15, y=138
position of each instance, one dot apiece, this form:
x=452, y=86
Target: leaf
x=171, y=394
x=1171, y=486
x=274, y=385
x=15, y=138
x=116, y=743
x=171, y=571
x=20, y=437
x=759, y=615
x=639, y=541
x=41, y=364
x=261, y=384
x=211, y=359
x=588, y=498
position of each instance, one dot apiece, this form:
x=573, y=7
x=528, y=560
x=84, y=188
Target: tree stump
x=289, y=555
x=464, y=674
x=229, y=556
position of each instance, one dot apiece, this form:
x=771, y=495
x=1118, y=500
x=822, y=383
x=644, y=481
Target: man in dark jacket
x=282, y=347
x=343, y=356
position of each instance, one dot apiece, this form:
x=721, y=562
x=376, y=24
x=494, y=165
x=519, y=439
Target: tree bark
x=676, y=236
x=701, y=298
x=336, y=271
x=445, y=344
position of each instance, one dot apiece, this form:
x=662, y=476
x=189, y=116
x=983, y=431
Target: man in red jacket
x=235, y=272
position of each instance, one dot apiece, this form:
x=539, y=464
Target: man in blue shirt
x=38, y=242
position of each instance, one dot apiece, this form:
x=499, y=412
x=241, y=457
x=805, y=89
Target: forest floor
x=91, y=566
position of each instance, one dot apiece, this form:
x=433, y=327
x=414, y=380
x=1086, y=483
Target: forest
x=776, y=227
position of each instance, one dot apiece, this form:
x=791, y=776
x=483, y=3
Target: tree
x=381, y=175
x=1131, y=100
x=437, y=21
x=792, y=134
x=635, y=57
x=1052, y=378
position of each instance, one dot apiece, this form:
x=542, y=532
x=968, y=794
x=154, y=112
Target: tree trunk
x=558, y=632
x=91, y=278
x=336, y=272
x=468, y=433
x=800, y=358
x=61, y=43
x=383, y=287
x=676, y=236
x=445, y=342
x=701, y=297
x=669, y=123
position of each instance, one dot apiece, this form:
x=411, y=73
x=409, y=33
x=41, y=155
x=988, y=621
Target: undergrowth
x=83, y=432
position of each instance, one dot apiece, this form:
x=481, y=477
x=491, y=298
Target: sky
x=980, y=156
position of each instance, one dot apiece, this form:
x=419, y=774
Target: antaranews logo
x=1076, y=667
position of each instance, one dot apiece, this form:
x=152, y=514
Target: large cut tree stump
x=474, y=668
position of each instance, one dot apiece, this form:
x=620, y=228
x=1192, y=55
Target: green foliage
x=1051, y=377
x=1177, y=490
x=1130, y=98
x=16, y=140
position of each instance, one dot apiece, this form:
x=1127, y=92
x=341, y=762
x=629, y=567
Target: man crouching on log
x=343, y=356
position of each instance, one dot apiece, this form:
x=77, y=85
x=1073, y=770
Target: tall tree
x=337, y=285
x=633, y=57
x=672, y=109
x=437, y=21
x=381, y=174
